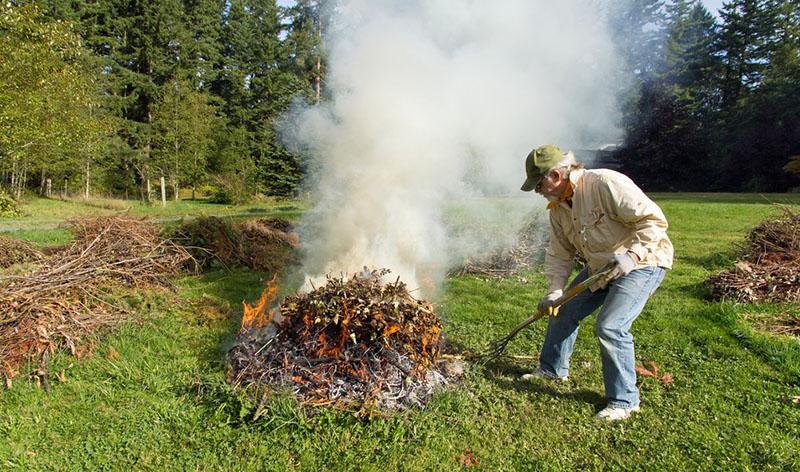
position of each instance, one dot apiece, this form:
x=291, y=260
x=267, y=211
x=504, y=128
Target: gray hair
x=567, y=163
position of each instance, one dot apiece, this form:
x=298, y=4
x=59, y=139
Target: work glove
x=546, y=305
x=623, y=265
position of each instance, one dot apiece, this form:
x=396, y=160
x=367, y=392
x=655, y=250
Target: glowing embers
x=353, y=341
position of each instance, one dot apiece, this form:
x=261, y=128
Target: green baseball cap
x=539, y=161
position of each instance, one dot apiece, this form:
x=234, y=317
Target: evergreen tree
x=307, y=23
x=667, y=145
x=761, y=106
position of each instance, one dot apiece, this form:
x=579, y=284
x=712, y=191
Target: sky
x=713, y=6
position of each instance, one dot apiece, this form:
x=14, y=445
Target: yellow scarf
x=565, y=197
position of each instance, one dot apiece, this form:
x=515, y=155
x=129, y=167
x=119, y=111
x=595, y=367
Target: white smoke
x=437, y=100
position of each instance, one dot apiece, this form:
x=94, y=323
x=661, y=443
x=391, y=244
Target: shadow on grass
x=715, y=261
x=506, y=376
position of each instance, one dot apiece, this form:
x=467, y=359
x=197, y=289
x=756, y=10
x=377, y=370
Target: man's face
x=551, y=186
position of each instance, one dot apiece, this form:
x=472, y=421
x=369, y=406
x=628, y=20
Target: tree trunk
x=21, y=182
x=64, y=191
x=149, y=191
x=318, y=79
x=49, y=188
x=41, y=184
x=176, y=190
x=163, y=192
x=86, y=193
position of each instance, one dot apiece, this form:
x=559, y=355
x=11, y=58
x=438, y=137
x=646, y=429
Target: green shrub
x=8, y=206
x=230, y=190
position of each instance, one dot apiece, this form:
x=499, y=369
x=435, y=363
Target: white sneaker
x=616, y=413
x=540, y=374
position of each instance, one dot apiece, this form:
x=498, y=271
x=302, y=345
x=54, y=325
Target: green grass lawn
x=154, y=395
x=41, y=218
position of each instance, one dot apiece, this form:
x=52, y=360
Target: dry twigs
x=769, y=268
x=15, y=251
x=354, y=341
x=265, y=244
x=506, y=262
x=64, y=300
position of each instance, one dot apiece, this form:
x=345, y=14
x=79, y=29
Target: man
x=605, y=218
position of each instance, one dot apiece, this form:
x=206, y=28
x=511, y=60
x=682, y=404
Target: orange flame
x=333, y=347
x=255, y=317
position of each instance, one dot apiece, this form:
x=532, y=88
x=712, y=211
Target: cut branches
x=66, y=299
x=769, y=267
x=508, y=261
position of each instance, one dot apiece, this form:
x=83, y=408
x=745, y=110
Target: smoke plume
x=434, y=104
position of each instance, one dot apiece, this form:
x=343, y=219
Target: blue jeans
x=621, y=301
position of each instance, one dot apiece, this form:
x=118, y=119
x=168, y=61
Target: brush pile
x=354, y=341
x=15, y=251
x=264, y=244
x=509, y=261
x=769, y=267
x=66, y=299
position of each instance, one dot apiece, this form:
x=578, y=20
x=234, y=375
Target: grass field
x=41, y=219
x=154, y=396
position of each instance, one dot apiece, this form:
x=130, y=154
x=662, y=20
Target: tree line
x=117, y=96
x=126, y=97
x=715, y=103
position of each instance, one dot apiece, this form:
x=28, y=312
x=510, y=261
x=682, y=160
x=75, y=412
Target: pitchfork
x=497, y=347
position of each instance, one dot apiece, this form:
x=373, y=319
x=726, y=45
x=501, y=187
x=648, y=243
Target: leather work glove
x=624, y=264
x=546, y=305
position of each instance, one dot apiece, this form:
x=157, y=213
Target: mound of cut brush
x=353, y=341
x=769, y=267
x=15, y=251
x=66, y=298
x=508, y=261
x=264, y=244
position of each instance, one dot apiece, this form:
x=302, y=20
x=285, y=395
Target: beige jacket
x=609, y=215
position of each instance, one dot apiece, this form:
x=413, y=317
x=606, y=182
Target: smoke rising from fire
x=434, y=103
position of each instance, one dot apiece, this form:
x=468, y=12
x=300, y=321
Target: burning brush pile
x=354, y=341
x=769, y=267
x=66, y=298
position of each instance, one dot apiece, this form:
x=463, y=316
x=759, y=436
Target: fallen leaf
x=644, y=372
x=61, y=377
x=468, y=459
x=666, y=379
x=112, y=353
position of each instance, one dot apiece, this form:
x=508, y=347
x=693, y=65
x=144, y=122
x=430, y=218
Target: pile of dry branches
x=268, y=244
x=66, y=299
x=265, y=244
x=508, y=261
x=15, y=251
x=355, y=341
x=769, y=268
